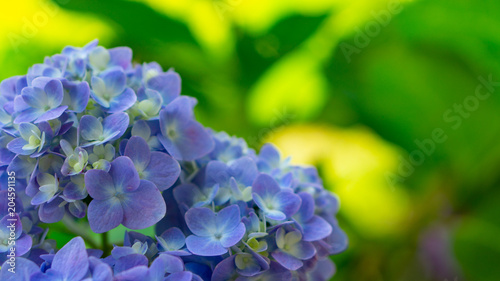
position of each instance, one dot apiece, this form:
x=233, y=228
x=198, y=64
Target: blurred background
x=396, y=102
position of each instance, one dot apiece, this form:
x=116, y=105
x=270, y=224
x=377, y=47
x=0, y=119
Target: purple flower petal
x=76, y=95
x=72, y=260
x=167, y=84
x=117, y=122
x=120, y=56
x=104, y=215
x=144, y=207
x=180, y=276
x=316, y=228
x=191, y=141
x=205, y=246
x=124, y=175
x=265, y=186
x=234, y=236
x=51, y=212
x=288, y=261
x=99, y=184
x=137, y=150
x=54, y=91
x=174, y=238
x=287, y=202
x=165, y=176
x=114, y=79
x=133, y=274
x=130, y=261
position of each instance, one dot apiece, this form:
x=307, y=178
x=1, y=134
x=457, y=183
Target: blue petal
x=167, y=84
x=123, y=101
x=51, y=212
x=201, y=221
x=234, y=236
x=228, y=219
x=34, y=97
x=104, y=215
x=124, y=175
x=52, y=114
x=115, y=125
x=287, y=202
x=174, y=238
x=16, y=146
x=162, y=170
x=120, y=56
x=205, y=246
x=72, y=260
x=138, y=151
x=191, y=142
x=90, y=128
x=144, y=207
x=28, y=115
x=76, y=95
x=265, y=186
x=54, y=91
x=288, y=261
x=99, y=184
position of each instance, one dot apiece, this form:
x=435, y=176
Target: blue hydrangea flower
x=111, y=128
x=121, y=197
x=213, y=233
x=292, y=250
x=34, y=139
x=123, y=149
x=110, y=90
x=43, y=99
x=182, y=136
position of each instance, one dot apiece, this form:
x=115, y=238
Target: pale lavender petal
x=77, y=95
x=115, y=80
x=51, y=212
x=180, y=276
x=54, y=91
x=287, y=202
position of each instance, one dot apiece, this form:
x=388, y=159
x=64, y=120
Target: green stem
x=77, y=229
x=105, y=244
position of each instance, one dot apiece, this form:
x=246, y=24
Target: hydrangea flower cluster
x=87, y=135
